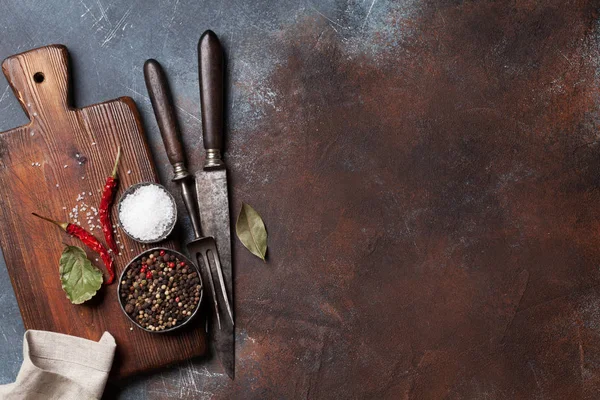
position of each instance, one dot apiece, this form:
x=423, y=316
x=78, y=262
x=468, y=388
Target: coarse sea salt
x=147, y=213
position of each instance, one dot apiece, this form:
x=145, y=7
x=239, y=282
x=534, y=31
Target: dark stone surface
x=428, y=171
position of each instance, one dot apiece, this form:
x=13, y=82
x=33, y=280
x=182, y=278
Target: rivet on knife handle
x=210, y=62
x=162, y=103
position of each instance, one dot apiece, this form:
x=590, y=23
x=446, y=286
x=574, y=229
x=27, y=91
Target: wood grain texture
x=45, y=165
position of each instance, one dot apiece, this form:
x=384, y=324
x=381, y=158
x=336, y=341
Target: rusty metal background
x=428, y=171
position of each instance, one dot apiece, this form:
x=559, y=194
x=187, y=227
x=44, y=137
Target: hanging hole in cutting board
x=38, y=77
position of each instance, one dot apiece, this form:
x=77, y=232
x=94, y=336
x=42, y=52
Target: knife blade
x=211, y=189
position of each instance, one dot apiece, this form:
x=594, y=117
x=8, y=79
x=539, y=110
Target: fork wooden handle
x=162, y=104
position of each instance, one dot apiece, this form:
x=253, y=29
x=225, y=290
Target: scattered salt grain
x=147, y=213
x=57, y=185
x=93, y=143
x=129, y=172
x=65, y=166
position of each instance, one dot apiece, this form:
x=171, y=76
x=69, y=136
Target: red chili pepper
x=108, y=196
x=90, y=241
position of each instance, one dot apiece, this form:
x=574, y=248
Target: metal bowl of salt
x=147, y=212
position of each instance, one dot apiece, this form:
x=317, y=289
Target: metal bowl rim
x=141, y=255
x=128, y=192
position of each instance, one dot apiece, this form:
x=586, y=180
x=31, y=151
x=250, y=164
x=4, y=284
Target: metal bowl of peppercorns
x=160, y=290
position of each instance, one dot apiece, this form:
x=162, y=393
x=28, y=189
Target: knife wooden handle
x=210, y=63
x=162, y=103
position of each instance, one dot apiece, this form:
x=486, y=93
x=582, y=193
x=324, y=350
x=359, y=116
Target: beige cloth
x=57, y=366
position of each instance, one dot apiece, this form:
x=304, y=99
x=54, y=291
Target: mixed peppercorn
x=160, y=291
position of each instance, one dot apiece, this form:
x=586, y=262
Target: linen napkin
x=58, y=366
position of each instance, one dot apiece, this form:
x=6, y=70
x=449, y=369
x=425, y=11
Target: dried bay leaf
x=251, y=231
x=80, y=279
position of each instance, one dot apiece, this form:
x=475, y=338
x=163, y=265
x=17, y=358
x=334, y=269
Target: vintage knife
x=211, y=190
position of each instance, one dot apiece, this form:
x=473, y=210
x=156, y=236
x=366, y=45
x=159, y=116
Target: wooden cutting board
x=59, y=161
